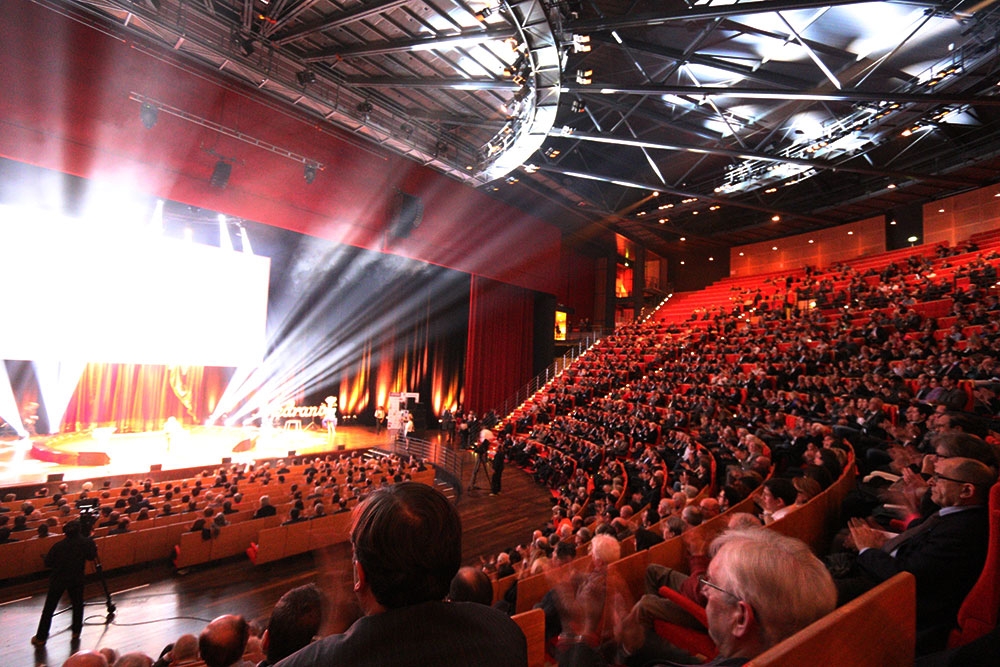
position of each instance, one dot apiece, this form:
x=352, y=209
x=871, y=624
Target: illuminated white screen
x=74, y=290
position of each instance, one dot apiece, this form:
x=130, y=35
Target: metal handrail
x=444, y=458
x=587, y=341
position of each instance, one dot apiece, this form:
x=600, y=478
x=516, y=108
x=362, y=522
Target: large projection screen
x=74, y=290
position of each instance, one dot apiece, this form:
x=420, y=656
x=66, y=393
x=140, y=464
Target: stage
x=30, y=461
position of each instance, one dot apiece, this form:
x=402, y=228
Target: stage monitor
x=81, y=290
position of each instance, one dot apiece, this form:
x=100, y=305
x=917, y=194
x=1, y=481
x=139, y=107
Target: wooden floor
x=155, y=605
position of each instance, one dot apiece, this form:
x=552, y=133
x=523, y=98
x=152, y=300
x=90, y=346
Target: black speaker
x=407, y=212
x=291, y=452
x=55, y=477
x=228, y=459
x=220, y=175
x=156, y=467
x=341, y=448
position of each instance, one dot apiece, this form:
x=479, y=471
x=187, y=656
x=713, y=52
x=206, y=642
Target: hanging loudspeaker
x=407, y=211
x=220, y=175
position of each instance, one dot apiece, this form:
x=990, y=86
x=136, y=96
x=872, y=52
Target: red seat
x=695, y=642
x=978, y=613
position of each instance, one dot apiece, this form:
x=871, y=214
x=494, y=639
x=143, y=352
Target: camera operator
x=67, y=558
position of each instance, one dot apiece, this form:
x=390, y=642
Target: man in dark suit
x=266, y=508
x=67, y=558
x=945, y=552
x=407, y=544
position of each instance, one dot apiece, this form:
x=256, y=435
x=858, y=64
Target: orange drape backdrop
x=138, y=397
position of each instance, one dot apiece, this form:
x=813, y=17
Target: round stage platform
x=104, y=453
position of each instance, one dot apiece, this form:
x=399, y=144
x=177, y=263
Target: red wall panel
x=65, y=106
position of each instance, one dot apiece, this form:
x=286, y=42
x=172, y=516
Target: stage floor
x=134, y=453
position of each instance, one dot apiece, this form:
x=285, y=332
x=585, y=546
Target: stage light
x=579, y=106
x=483, y=14
x=365, y=109
x=149, y=115
x=225, y=241
x=247, y=250
x=310, y=173
x=245, y=45
x=156, y=220
x=220, y=174
x=306, y=77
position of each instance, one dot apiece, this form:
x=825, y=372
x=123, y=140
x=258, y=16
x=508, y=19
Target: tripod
x=109, y=604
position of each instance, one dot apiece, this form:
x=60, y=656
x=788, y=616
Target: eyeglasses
x=938, y=476
x=702, y=581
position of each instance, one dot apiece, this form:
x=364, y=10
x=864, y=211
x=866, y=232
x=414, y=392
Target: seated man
x=223, y=640
x=761, y=587
x=407, y=543
x=945, y=552
x=294, y=622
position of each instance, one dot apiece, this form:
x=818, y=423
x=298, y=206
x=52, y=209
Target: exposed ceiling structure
x=720, y=122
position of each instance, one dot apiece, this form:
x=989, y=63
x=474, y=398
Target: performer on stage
x=171, y=429
x=330, y=417
x=407, y=426
x=379, y=419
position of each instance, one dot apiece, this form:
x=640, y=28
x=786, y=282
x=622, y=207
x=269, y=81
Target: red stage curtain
x=498, y=358
x=138, y=397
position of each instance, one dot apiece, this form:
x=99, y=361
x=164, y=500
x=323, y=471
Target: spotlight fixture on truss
x=305, y=77
x=148, y=114
x=256, y=142
x=365, y=109
x=310, y=173
x=244, y=43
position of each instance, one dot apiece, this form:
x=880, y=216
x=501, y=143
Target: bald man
x=222, y=642
x=86, y=659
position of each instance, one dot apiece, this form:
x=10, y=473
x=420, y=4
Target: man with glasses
x=761, y=587
x=945, y=552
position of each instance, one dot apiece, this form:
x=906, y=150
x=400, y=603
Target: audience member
x=407, y=547
x=294, y=623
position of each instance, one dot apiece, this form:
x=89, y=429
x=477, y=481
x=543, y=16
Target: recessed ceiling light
x=891, y=186
x=775, y=218
x=711, y=259
x=892, y=222
x=811, y=241
x=741, y=254
x=774, y=247
x=682, y=262
x=850, y=233
x=941, y=210
x=683, y=238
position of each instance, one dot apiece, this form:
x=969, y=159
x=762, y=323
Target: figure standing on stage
x=330, y=417
x=171, y=429
x=67, y=558
x=379, y=419
x=407, y=426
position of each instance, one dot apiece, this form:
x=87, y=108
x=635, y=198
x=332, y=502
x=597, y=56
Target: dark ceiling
x=720, y=122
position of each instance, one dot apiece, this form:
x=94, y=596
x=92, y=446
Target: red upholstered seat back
x=978, y=613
